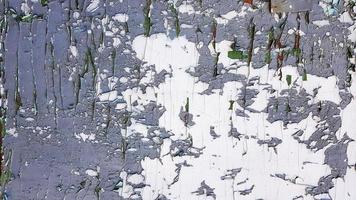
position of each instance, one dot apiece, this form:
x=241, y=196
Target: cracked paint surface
x=155, y=99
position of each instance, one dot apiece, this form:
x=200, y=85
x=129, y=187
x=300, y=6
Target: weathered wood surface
x=206, y=99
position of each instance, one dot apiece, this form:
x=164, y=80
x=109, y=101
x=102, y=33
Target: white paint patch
x=91, y=172
x=76, y=15
x=93, y=6
x=74, y=50
x=12, y=132
x=116, y=42
x=224, y=19
x=135, y=179
x=328, y=88
x=321, y=23
x=352, y=36
x=30, y=119
x=25, y=8
x=346, y=18
x=108, y=96
x=112, y=82
x=85, y=137
x=186, y=8
x=230, y=15
x=257, y=161
x=121, y=17
x=161, y=51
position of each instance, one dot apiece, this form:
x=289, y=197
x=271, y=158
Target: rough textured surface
x=197, y=99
